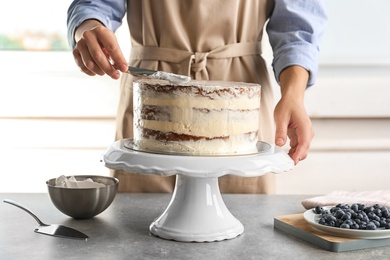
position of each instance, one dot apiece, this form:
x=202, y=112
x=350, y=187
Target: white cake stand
x=196, y=212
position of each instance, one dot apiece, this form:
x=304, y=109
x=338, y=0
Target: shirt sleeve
x=295, y=29
x=108, y=12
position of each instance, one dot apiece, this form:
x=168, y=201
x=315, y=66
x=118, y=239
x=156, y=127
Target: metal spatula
x=51, y=230
x=154, y=74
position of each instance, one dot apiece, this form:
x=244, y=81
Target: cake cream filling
x=210, y=124
x=237, y=144
x=202, y=102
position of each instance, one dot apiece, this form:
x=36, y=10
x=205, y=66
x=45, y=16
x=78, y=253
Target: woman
x=207, y=40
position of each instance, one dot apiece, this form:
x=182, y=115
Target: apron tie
x=194, y=61
x=198, y=63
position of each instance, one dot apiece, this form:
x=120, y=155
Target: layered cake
x=197, y=117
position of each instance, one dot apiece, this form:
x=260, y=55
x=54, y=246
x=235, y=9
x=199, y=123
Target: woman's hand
x=97, y=50
x=290, y=115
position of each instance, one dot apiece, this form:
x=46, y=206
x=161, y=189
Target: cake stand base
x=196, y=213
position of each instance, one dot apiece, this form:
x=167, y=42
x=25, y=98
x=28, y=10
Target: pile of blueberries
x=354, y=216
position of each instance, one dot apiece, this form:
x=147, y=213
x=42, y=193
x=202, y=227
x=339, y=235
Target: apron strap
x=195, y=61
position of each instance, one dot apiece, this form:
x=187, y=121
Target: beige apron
x=208, y=40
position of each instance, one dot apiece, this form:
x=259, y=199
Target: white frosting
x=185, y=101
x=172, y=78
x=211, y=124
x=239, y=144
x=71, y=182
x=223, y=117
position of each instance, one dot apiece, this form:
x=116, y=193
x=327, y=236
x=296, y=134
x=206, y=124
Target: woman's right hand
x=97, y=50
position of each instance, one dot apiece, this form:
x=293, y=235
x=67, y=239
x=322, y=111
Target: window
x=33, y=25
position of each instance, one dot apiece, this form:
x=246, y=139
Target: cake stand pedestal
x=196, y=212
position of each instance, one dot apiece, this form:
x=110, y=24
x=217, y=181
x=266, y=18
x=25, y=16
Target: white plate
x=118, y=156
x=313, y=218
x=262, y=148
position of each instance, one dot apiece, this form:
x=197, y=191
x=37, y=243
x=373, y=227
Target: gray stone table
x=122, y=232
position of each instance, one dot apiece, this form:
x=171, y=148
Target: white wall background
x=358, y=33
x=54, y=120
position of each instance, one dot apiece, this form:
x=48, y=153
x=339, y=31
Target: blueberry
x=385, y=213
x=355, y=226
x=359, y=216
x=378, y=212
x=318, y=209
x=345, y=226
x=348, y=222
x=325, y=212
x=371, y=215
x=363, y=225
x=322, y=221
x=377, y=223
x=371, y=226
x=368, y=209
x=355, y=207
x=387, y=226
x=339, y=222
x=360, y=206
x=330, y=218
x=339, y=213
x=346, y=216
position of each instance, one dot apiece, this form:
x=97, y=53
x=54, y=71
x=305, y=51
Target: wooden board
x=297, y=226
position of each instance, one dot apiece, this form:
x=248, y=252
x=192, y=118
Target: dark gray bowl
x=82, y=203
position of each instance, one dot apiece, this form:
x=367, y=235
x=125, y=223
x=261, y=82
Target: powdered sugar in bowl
x=82, y=196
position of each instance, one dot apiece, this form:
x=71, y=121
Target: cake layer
x=202, y=102
x=212, y=129
x=238, y=144
x=207, y=123
x=211, y=89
